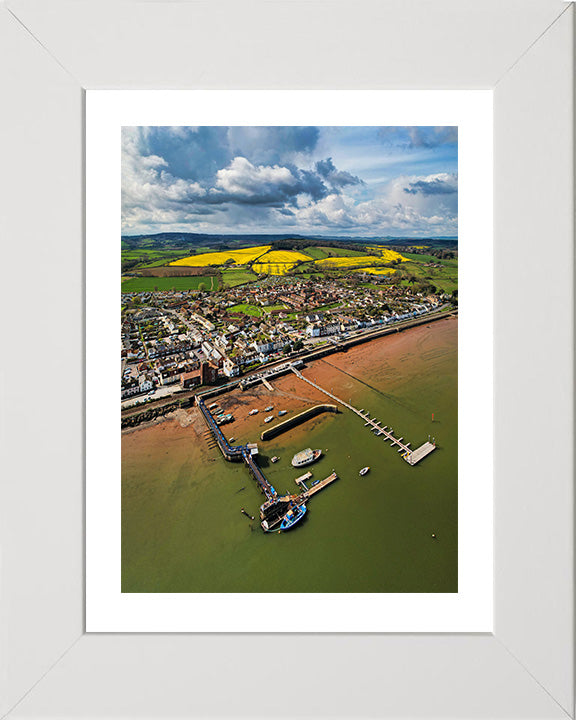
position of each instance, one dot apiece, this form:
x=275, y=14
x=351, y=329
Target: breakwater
x=297, y=420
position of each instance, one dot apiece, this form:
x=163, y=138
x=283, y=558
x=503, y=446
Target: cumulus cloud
x=409, y=137
x=442, y=184
x=336, y=178
x=262, y=179
x=273, y=145
x=242, y=180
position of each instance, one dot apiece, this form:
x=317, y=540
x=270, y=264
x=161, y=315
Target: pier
x=275, y=507
x=412, y=457
x=237, y=453
x=314, y=488
x=302, y=479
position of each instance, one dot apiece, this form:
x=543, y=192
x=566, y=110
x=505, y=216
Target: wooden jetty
x=302, y=479
x=411, y=456
x=420, y=453
x=313, y=489
x=292, y=501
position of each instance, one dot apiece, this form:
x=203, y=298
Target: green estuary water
x=183, y=531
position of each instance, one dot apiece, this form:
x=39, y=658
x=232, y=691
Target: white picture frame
x=53, y=52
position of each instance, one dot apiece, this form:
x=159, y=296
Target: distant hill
x=184, y=240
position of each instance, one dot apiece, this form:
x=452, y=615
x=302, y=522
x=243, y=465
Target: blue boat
x=292, y=517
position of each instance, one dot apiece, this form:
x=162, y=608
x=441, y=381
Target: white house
x=230, y=369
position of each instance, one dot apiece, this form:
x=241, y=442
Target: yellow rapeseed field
x=390, y=255
x=240, y=257
x=272, y=268
x=284, y=256
x=376, y=271
x=278, y=262
x=345, y=263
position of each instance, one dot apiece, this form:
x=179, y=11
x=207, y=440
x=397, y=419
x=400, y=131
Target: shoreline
x=309, y=359
x=291, y=394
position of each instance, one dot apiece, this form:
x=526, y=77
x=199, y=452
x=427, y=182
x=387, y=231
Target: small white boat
x=364, y=470
x=282, y=412
x=275, y=458
x=269, y=418
x=270, y=407
x=232, y=439
x=253, y=412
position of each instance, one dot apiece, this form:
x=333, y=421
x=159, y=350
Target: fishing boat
x=306, y=457
x=292, y=517
x=275, y=458
x=364, y=470
x=253, y=412
x=282, y=412
x=269, y=418
x=270, y=407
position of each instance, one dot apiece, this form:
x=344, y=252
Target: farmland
x=320, y=253
x=392, y=255
x=444, y=277
x=229, y=263
x=348, y=263
x=376, y=270
x=237, y=276
x=279, y=262
x=150, y=284
x=238, y=257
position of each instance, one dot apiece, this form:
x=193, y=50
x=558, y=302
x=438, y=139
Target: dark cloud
x=270, y=145
x=337, y=178
x=447, y=185
x=190, y=153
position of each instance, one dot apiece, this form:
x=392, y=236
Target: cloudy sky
x=368, y=181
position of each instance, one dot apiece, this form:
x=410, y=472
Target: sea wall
x=297, y=420
x=148, y=414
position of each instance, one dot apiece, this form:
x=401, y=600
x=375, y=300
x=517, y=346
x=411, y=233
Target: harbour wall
x=297, y=420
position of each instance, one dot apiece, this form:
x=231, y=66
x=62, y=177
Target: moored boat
x=253, y=412
x=282, y=412
x=269, y=418
x=292, y=517
x=275, y=458
x=270, y=407
x=305, y=457
x=365, y=470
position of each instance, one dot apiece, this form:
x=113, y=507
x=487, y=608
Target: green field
x=320, y=252
x=252, y=310
x=444, y=278
x=232, y=278
x=149, y=284
x=331, y=306
x=450, y=262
